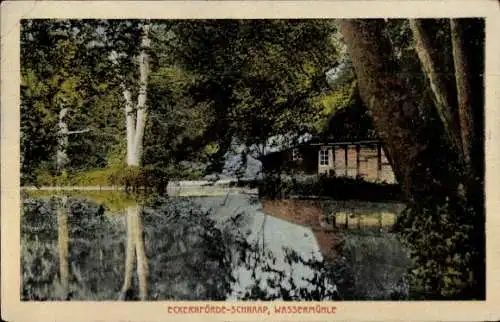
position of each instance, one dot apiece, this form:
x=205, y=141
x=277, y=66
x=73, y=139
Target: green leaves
x=258, y=75
x=211, y=81
x=59, y=69
x=439, y=236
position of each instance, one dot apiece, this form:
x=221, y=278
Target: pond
x=113, y=246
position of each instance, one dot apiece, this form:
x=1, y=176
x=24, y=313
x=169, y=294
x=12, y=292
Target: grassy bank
x=135, y=178
x=123, y=176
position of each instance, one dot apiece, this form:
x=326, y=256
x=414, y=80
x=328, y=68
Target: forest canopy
x=201, y=85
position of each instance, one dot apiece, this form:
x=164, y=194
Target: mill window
x=324, y=157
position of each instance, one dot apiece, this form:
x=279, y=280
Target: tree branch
x=78, y=132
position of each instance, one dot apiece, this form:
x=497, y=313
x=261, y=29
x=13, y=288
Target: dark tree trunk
x=468, y=52
x=439, y=72
x=413, y=141
x=427, y=146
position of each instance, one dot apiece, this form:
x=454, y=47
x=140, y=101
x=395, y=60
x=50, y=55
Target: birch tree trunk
x=142, y=97
x=136, y=118
x=130, y=125
x=62, y=141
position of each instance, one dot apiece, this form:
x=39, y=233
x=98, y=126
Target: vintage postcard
x=248, y=160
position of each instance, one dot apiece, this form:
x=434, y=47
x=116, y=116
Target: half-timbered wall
x=367, y=161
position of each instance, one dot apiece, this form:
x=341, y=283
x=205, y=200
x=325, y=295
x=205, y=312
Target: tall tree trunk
x=463, y=88
x=468, y=55
x=440, y=74
x=130, y=125
x=142, y=97
x=136, y=118
x=62, y=141
x=395, y=113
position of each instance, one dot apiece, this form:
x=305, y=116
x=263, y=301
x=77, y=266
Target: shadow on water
x=205, y=248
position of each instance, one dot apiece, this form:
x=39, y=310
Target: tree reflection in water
x=69, y=251
x=183, y=249
x=63, y=239
x=135, y=246
x=189, y=258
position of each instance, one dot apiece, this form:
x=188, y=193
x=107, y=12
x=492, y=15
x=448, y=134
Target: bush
x=338, y=188
x=446, y=239
x=44, y=178
x=132, y=177
x=117, y=174
x=98, y=177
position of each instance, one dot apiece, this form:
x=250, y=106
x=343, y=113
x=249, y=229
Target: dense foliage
x=59, y=71
x=447, y=220
x=210, y=83
x=329, y=187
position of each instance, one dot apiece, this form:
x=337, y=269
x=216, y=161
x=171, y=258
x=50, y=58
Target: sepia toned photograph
x=266, y=166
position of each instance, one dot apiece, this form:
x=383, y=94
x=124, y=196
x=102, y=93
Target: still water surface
x=114, y=247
